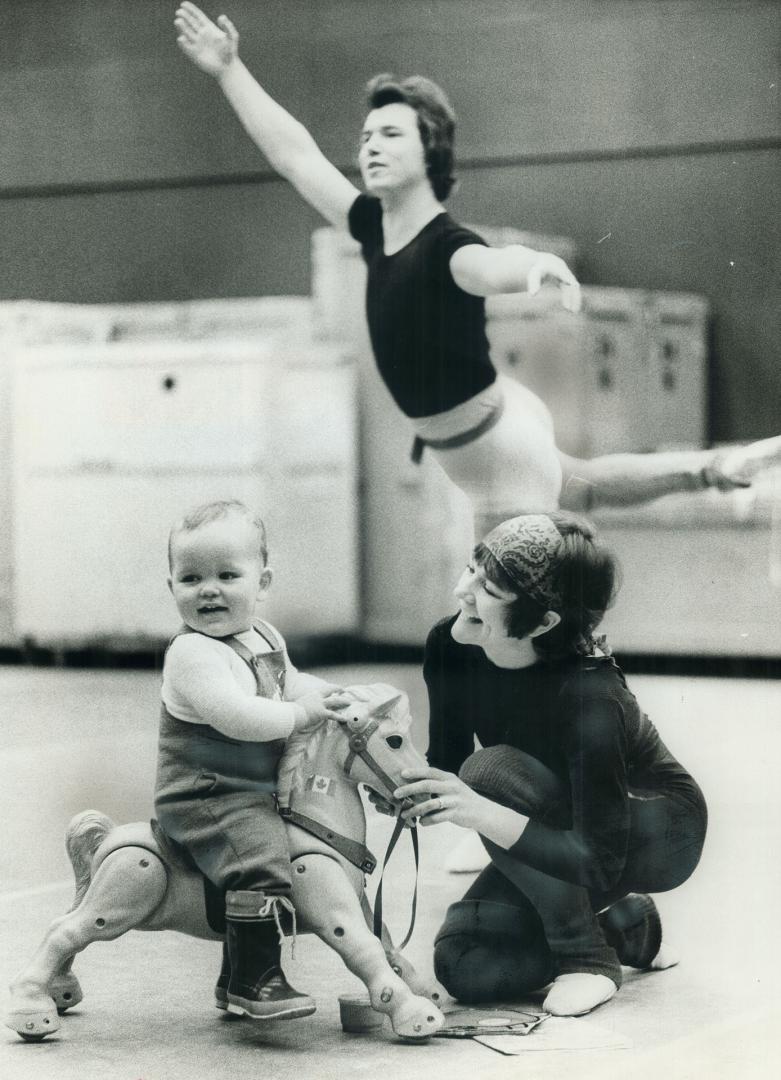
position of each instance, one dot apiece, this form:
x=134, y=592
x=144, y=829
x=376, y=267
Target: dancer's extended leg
x=515, y=468
x=628, y=479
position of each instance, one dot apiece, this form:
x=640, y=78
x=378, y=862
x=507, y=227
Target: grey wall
x=646, y=129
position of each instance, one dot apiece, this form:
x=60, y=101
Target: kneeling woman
x=582, y=808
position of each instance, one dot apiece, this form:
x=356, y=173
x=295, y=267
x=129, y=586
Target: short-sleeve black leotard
x=428, y=335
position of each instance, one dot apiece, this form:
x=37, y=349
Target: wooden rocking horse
x=128, y=879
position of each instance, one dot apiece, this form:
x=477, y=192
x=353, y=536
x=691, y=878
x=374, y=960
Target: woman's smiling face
x=483, y=609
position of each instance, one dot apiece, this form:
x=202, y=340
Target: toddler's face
x=217, y=577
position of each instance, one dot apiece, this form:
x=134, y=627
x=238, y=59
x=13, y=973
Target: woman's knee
x=665, y=844
x=515, y=779
x=486, y=951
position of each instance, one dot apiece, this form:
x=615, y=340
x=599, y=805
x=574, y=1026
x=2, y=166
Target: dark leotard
x=428, y=335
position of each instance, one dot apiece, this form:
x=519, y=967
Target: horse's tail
x=85, y=832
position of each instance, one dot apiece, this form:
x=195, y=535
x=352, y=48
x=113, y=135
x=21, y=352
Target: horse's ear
x=385, y=706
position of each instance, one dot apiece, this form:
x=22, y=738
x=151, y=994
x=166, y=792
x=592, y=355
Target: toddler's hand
x=212, y=48
x=319, y=705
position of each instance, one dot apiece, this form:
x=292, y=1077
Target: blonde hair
x=218, y=511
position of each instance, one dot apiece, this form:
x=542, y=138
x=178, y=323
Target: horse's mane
x=304, y=747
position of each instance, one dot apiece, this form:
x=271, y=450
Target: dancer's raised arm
x=289, y=147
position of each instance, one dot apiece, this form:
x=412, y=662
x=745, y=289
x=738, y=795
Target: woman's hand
x=547, y=267
x=212, y=48
x=449, y=799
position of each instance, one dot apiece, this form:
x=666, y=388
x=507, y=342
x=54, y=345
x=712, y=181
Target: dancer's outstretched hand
x=548, y=267
x=738, y=466
x=212, y=48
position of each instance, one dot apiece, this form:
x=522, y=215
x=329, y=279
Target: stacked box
x=27, y=325
x=677, y=336
x=628, y=373
x=113, y=441
x=701, y=573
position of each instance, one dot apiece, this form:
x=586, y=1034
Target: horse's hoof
x=34, y=1018
x=418, y=1021
x=423, y=987
x=66, y=992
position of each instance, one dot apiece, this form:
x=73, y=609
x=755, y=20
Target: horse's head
x=377, y=723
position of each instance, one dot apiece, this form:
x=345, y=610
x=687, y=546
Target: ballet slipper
x=578, y=992
x=666, y=957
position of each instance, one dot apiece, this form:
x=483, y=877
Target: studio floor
x=77, y=739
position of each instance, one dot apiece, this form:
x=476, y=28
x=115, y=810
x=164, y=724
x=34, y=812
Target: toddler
x=230, y=698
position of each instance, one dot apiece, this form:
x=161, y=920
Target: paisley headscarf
x=526, y=548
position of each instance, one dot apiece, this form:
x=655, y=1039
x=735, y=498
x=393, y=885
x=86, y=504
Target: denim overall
x=214, y=795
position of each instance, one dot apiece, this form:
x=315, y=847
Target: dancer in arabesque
x=427, y=280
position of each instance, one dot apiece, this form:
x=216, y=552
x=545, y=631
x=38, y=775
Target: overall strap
x=267, y=632
x=241, y=650
x=238, y=647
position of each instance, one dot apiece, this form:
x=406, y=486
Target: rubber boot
x=257, y=986
x=221, y=986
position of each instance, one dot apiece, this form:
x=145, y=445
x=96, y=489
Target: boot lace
x=271, y=908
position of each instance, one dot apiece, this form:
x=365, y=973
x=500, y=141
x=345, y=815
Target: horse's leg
x=128, y=886
x=328, y=905
x=65, y=988
x=399, y=962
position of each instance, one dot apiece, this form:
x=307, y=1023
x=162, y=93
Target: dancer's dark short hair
x=436, y=122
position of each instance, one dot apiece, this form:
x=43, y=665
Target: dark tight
x=517, y=928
